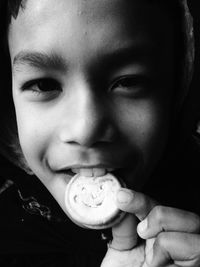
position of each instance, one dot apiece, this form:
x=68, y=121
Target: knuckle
x=161, y=240
x=158, y=214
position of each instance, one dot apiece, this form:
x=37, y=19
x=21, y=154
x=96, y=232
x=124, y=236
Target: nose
x=91, y=122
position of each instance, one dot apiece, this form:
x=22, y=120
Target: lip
x=80, y=158
x=87, y=170
x=78, y=166
x=124, y=173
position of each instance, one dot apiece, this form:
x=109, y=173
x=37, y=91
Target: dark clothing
x=36, y=232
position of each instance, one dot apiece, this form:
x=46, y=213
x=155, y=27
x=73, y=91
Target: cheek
x=145, y=126
x=33, y=132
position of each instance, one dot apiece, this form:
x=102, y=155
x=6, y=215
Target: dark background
x=194, y=96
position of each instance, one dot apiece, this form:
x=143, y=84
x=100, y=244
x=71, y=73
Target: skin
x=110, y=102
x=87, y=118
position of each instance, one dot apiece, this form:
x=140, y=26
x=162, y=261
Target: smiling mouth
x=125, y=173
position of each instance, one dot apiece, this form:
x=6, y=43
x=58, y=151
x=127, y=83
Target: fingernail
x=142, y=226
x=124, y=197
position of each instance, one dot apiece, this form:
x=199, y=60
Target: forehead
x=101, y=22
x=38, y=12
x=89, y=7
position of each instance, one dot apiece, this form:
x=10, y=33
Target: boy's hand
x=171, y=236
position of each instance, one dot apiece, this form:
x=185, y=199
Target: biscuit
x=90, y=201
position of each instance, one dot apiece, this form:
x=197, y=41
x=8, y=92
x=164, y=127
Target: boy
x=94, y=89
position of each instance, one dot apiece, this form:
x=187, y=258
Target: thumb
x=125, y=233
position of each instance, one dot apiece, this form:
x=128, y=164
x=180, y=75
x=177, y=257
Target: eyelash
x=49, y=85
x=129, y=84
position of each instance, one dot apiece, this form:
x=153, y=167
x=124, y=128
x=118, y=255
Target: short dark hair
x=9, y=141
x=13, y=7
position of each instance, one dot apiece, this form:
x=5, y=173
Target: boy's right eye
x=42, y=86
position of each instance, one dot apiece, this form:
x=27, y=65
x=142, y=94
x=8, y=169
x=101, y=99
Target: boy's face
x=92, y=85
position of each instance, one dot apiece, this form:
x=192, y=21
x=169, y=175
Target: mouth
x=126, y=173
x=88, y=171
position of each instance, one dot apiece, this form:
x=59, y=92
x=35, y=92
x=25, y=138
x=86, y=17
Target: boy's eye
x=133, y=85
x=45, y=85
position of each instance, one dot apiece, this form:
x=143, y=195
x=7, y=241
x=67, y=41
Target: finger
x=134, y=202
x=168, y=219
x=182, y=249
x=125, y=234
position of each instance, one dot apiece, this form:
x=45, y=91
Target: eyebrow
x=123, y=56
x=128, y=54
x=109, y=60
x=40, y=60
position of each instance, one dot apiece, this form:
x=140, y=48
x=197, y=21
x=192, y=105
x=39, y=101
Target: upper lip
x=84, y=166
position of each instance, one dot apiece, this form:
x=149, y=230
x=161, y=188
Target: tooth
x=86, y=172
x=99, y=172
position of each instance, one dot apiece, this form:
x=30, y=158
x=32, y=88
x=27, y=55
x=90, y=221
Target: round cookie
x=90, y=201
